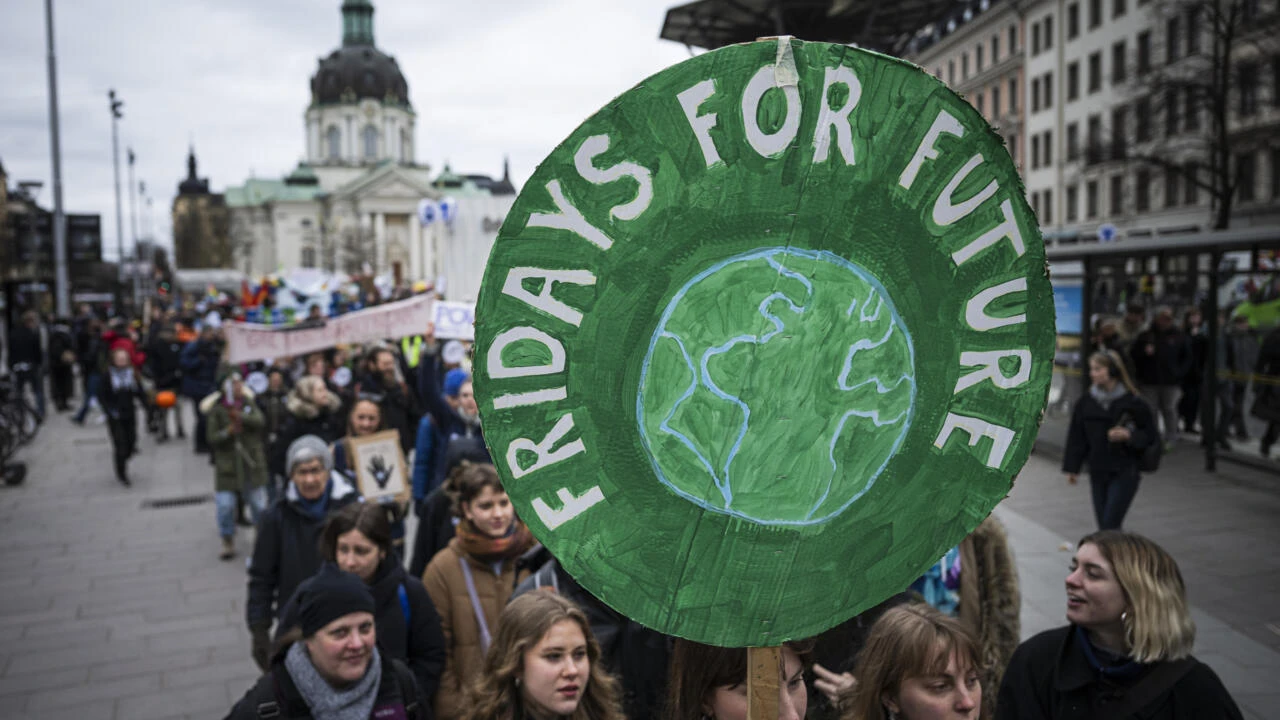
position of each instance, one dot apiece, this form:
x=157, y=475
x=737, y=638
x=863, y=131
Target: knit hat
x=304, y=449
x=453, y=381
x=329, y=595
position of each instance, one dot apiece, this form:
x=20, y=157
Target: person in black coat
x=199, y=360
x=330, y=664
x=1161, y=360
x=164, y=354
x=121, y=393
x=1127, y=650
x=62, y=362
x=385, y=386
x=312, y=410
x=286, y=550
x=1110, y=427
x=26, y=359
x=89, y=353
x=436, y=520
x=357, y=539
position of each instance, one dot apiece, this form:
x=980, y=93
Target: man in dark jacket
x=389, y=390
x=90, y=352
x=199, y=362
x=62, y=362
x=287, y=551
x=164, y=360
x=1162, y=358
x=26, y=359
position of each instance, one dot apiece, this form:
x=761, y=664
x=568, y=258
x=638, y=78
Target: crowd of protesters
x=470, y=618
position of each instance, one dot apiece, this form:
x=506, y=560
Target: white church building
x=351, y=206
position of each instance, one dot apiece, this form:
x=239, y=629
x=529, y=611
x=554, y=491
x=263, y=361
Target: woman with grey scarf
x=1110, y=428
x=329, y=667
x=120, y=391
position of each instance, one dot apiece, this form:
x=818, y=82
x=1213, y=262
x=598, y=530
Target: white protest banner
x=455, y=321
x=247, y=342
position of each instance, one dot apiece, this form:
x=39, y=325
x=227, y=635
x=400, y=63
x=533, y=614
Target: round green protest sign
x=763, y=338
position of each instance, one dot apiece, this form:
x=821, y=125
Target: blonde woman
x=917, y=664
x=544, y=663
x=1127, y=650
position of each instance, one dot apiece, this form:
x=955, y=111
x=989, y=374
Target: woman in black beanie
x=329, y=666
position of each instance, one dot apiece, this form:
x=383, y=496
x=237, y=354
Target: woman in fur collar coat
x=236, y=431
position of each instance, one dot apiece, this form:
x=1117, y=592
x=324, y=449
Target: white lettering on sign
x=597, y=144
x=571, y=506
x=1008, y=228
x=569, y=218
x=769, y=144
x=989, y=368
x=701, y=125
x=836, y=120
x=945, y=122
x=537, y=397
x=497, y=367
x=975, y=311
x=544, y=455
x=976, y=428
x=514, y=286
x=945, y=211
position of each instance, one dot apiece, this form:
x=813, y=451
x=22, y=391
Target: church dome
x=358, y=69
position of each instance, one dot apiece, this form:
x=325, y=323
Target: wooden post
x=763, y=674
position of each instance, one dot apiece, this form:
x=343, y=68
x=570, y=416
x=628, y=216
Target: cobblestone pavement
x=111, y=610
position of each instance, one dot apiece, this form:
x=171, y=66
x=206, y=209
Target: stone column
x=380, y=242
x=415, y=248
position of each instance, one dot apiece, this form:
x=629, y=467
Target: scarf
x=326, y=702
x=316, y=508
x=1104, y=397
x=1105, y=662
x=492, y=550
x=122, y=378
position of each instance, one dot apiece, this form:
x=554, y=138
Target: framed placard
x=763, y=338
x=381, y=471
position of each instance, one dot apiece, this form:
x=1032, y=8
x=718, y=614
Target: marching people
x=312, y=410
x=398, y=404
x=286, y=549
x=90, y=353
x=917, y=664
x=1126, y=650
x=366, y=419
x=200, y=360
x=1161, y=360
x=329, y=666
x=164, y=354
x=1110, y=428
x=543, y=663
x=26, y=359
x=62, y=362
x=436, y=521
x=357, y=539
x=1239, y=357
x=1198, y=343
x=237, y=437
x=431, y=443
x=273, y=402
x=1266, y=389
x=121, y=392
x=710, y=683
x=471, y=580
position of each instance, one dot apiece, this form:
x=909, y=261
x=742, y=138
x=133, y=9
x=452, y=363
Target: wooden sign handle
x=763, y=673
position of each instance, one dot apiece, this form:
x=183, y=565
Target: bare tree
x=358, y=248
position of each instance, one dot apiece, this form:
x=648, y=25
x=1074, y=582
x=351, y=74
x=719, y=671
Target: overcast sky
x=486, y=77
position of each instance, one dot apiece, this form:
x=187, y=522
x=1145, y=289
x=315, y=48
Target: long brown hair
x=696, y=670
x=496, y=695
x=468, y=480
x=370, y=518
x=913, y=640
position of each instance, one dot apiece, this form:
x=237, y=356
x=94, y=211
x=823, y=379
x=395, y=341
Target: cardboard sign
x=247, y=342
x=455, y=321
x=381, y=471
x=763, y=338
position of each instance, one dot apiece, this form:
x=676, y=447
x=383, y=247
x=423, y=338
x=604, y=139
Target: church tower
x=360, y=113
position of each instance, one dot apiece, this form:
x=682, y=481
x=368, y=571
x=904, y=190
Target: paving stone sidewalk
x=113, y=611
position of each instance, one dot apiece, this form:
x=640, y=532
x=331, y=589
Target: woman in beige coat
x=471, y=580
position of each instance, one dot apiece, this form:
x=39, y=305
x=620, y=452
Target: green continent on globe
x=777, y=386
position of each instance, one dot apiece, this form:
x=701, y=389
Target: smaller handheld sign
x=763, y=338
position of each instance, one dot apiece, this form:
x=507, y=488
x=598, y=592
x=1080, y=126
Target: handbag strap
x=485, y=638
x=1154, y=684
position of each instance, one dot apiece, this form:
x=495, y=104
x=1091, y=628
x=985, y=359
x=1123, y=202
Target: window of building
x=977, y=58
x=1091, y=200
x=1191, y=188
x=1171, y=112
x=406, y=147
x=1012, y=143
x=1073, y=141
x=995, y=49
x=1119, y=141
x=951, y=72
x=1035, y=152
x=1035, y=203
x=1142, y=119
x=1119, y=8
x=1073, y=196
x=333, y=138
x=1275, y=173
x=308, y=257
x=1117, y=195
x=1095, y=13
x=1048, y=90
x=1047, y=144
x=995, y=101
x=1048, y=207
x=1117, y=63
x=1035, y=39
x=1144, y=52
x=1095, y=72
x=370, y=142
x=1172, y=36
x=964, y=66
x=1013, y=95
x=1073, y=81
x=1191, y=109
x=1073, y=21
x=1013, y=39
x=1193, y=30
x=1246, y=175
x=1095, y=137
x=1248, y=89
x=1172, y=185
x=1048, y=32
x=1035, y=95
x=979, y=102
x=1142, y=191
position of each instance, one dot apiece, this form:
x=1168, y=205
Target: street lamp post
x=116, y=114
x=133, y=231
x=61, y=279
